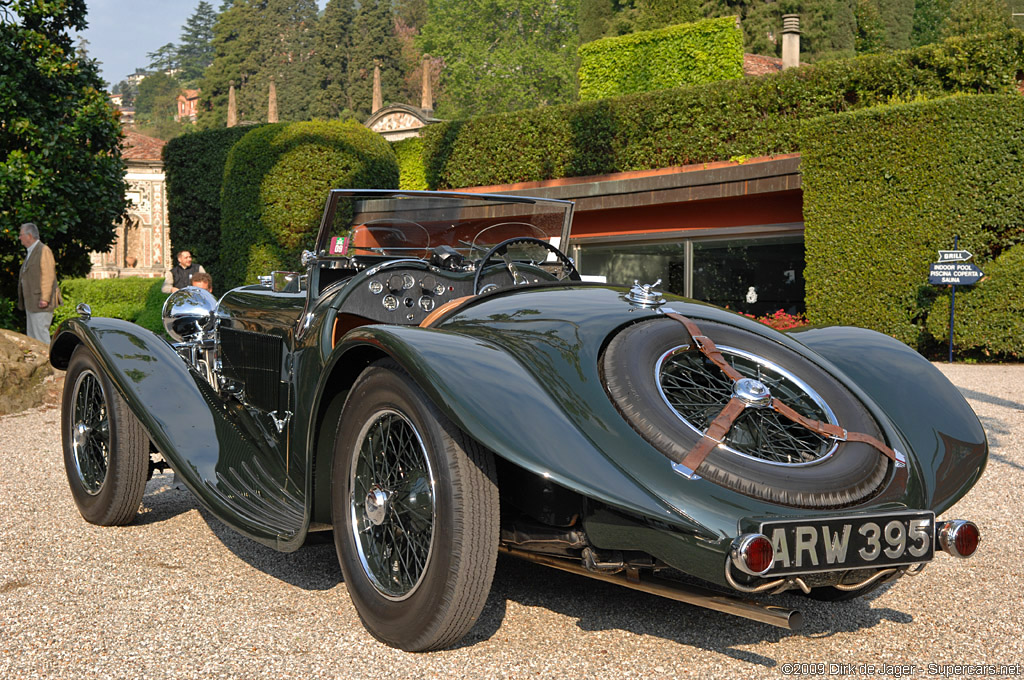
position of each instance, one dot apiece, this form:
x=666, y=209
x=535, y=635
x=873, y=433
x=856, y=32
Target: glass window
x=755, y=275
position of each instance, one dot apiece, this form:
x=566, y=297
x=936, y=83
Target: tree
x=60, y=160
x=333, y=47
x=374, y=42
x=255, y=40
x=929, y=16
x=502, y=55
x=163, y=58
x=972, y=17
x=870, y=27
x=158, y=99
x=898, y=19
x=195, y=51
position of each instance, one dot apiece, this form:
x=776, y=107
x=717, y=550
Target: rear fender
x=470, y=380
x=944, y=433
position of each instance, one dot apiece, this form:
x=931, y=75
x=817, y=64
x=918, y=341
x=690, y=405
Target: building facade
x=142, y=243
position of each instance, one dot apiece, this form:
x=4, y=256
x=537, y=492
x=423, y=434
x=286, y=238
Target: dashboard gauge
x=390, y=303
x=400, y=282
x=376, y=287
x=426, y=303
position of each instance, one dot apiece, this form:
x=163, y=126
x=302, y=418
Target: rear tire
x=415, y=511
x=106, y=449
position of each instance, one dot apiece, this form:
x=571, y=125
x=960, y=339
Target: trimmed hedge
x=126, y=298
x=276, y=182
x=412, y=175
x=701, y=52
x=194, y=166
x=989, y=315
x=885, y=189
x=717, y=121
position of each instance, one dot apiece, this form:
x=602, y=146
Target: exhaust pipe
x=790, y=619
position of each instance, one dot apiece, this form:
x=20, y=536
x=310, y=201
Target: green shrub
x=151, y=316
x=989, y=315
x=194, y=166
x=412, y=175
x=701, y=52
x=116, y=298
x=717, y=121
x=276, y=182
x=8, y=317
x=885, y=189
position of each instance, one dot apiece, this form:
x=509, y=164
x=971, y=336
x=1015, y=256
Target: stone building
x=142, y=244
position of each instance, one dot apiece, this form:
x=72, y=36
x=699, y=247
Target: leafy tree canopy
x=974, y=17
x=502, y=55
x=60, y=163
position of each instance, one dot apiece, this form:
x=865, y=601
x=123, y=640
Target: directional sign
x=954, y=256
x=955, y=273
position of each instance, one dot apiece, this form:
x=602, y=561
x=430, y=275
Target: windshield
x=414, y=224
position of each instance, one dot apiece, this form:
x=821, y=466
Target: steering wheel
x=518, y=277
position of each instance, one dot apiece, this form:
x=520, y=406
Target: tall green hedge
x=989, y=315
x=885, y=189
x=701, y=52
x=696, y=124
x=194, y=166
x=276, y=182
x=412, y=175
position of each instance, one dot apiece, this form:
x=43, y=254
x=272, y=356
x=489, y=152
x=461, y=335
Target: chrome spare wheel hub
x=697, y=391
x=752, y=392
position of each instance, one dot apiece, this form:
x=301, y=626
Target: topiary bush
x=989, y=315
x=717, y=121
x=902, y=182
x=701, y=52
x=194, y=167
x=412, y=175
x=151, y=316
x=276, y=182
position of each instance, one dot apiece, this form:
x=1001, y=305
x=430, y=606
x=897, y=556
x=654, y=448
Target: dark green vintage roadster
x=437, y=384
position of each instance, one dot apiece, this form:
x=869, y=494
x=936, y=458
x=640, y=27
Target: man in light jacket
x=37, y=284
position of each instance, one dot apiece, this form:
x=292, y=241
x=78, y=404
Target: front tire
x=106, y=449
x=415, y=510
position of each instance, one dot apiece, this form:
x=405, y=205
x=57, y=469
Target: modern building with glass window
x=727, y=233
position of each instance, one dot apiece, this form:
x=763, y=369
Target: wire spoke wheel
x=392, y=504
x=670, y=393
x=415, y=512
x=697, y=391
x=91, y=433
x=106, y=449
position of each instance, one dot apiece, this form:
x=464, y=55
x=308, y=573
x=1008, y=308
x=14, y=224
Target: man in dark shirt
x=181, y=274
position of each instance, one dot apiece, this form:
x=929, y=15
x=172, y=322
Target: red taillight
x=753, y=554
x=959, y=537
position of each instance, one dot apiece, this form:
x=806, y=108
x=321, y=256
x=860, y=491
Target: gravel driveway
x=178, y=595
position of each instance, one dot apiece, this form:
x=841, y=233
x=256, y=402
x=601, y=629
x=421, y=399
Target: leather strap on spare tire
x=722, y=423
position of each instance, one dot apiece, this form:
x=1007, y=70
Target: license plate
x=804, y=546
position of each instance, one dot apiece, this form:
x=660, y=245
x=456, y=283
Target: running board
x=781, y=617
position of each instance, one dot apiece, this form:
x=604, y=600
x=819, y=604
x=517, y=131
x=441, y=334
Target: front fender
x=470, y=380
x=191, y=428
x=943, y=431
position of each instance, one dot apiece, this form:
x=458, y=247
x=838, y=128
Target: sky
x=122, y=32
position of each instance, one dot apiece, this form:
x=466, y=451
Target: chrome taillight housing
x=752, y=554
x=958, y=537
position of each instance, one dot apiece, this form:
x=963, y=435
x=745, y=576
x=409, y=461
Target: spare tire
x=670, y=393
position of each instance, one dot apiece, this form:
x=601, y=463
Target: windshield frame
x=336, y=196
